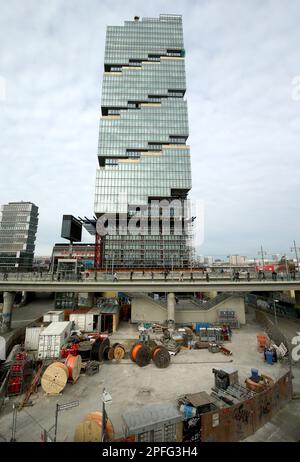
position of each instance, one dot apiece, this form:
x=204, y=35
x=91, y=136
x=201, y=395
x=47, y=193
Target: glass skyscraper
x=143, y=153
x=18, y=227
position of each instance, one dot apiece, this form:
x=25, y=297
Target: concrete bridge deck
x=147, y=285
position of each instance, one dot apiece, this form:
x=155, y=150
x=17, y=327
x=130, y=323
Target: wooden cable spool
x=105, y=353
x=99, y=345
x=143, y=356
x=96, y=416
x=88, y=432
x=55, y=378
x=119, y=352
x=152, y=345
x=84, y=350
x=161, y=357
x=134, y=350
x=73, y=364
x=111, y=353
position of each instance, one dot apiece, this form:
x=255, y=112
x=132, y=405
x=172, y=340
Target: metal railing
x=140, y=276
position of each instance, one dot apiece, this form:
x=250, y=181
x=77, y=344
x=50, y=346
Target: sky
x=243, y=68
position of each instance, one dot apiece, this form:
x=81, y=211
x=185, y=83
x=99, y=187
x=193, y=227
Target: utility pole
x=56, y=419
x=263, y=253
x=295, y=249
x=14, y=423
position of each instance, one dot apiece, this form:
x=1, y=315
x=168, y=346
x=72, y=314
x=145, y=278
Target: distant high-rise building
x=208, y=260
x=237, y=260
x=18, y=227
x=143, y=153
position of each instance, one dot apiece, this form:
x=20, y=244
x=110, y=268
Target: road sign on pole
x=63, y=407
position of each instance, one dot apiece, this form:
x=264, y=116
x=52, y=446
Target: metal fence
x=271, y=329
x=237, y=422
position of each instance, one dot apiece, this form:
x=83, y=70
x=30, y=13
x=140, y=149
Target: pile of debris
x=185, y=338
x=272, y=352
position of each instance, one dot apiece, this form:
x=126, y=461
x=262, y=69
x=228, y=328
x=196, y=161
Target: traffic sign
x=63, y=407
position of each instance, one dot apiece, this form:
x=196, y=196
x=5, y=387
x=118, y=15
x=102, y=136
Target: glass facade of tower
x=142, y=151
x=18, y=227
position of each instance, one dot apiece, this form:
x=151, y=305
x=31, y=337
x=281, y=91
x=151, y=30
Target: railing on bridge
x=141, y=276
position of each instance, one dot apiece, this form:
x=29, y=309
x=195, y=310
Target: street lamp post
x=274, y=307
x=295, y=249
x=105, y=398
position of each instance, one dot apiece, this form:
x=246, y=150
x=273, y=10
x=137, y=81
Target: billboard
x=71, y=228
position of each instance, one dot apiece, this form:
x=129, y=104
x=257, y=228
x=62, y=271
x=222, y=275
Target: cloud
x=244, y=126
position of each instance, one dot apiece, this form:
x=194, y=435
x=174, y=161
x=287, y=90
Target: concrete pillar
x=171, y=307
x=297, y=298
x=8, y=301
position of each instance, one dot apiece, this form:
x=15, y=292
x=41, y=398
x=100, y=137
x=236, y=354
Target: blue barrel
x=188, y=411
x=269, y=357
x=254, y=373
x=201, y=325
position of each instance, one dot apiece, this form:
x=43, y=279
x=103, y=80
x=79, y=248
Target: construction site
x=129, y=337
x=221, y=379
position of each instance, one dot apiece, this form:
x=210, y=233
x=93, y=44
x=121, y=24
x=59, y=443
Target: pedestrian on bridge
x=281, y=275
x=181, y=276
x=115, y=277
x=192, y=277
x=260, y=275
x=152, y=275
x=131, y=274
x=293, y=275
x=248, y=276
x=207, y=277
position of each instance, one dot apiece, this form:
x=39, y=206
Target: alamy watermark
x=296, y=349
x=178, y=217
x=2, y=89
x=295, y=93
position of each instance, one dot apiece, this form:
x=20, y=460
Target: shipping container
x=88, y=322
x=32, y=336
x=52, y=338
x=53, y=316
x=2, y=349
x=78, y=319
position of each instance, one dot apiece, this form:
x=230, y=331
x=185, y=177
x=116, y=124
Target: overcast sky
x=241, y=58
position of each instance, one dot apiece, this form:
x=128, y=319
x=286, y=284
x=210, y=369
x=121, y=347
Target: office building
x=18, y=227
x=143, y=153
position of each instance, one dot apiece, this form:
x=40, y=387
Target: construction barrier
x=237, y=422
